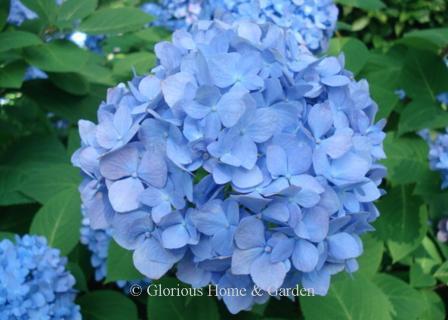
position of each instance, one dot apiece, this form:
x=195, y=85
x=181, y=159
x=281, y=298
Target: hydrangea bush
x=34, y=282
x=313, y=21
x=242, y=159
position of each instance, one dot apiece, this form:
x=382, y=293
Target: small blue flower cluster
x=438, y=153
x=175, y=14
x=443, y=98
x=34, y=283
x=18, y=13
x=97, y=241
x=89, y=42
x=313, y=21
x=243, y=159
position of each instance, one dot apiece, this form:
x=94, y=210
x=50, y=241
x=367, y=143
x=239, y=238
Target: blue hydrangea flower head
x=241, y=160
x=34, y=282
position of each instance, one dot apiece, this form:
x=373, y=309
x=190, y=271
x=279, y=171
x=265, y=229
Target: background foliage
x=394, y=44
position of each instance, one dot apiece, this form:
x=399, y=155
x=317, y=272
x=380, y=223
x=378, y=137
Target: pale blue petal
x=305, y=256
x=320, y=119
x=152, y=260
x=244, y=179
x=153, y=169
x=124, y=194
x=263, y=125
x=250, y=233
x=343, y=246
x=276, y=161
x=175, y=237
x=243, y=259
x=266, y=275
x=231, y=107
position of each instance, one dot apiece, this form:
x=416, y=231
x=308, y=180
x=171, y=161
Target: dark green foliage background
x=395, y=44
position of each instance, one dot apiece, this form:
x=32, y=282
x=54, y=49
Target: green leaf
x=120, y=265
x=59, y=220
x=9, y=187
x=421, y=114
x=356, y=52
x=424, y=75
x=399, y=249
x=152, y=35
x=419, y=279
x=403, y=221
x=434, y=307
x=23, y=156
x=387, y=100
x=407, y=302
x=57, y=56
x=115, y=20
x=43, y=182
x=45, y=9
x=62, y=104
x=349, y=298
x=442, y=273
x=363, y=4
x=107, y=305
x=4, y=12
x=76, y=271
x=95, y=73
x=438, y=204
x=76, y=9
x=428, y=256
x=41, y=149
x=142, y=62
x=383, y=72
x=74, y=141
x=370, y=260
x=7, y=235
x=433, y=39
x=11, y=75
x=180, y=308
x=429, y=185
x=73, y=83
x=18, y=39
x=406, y=159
